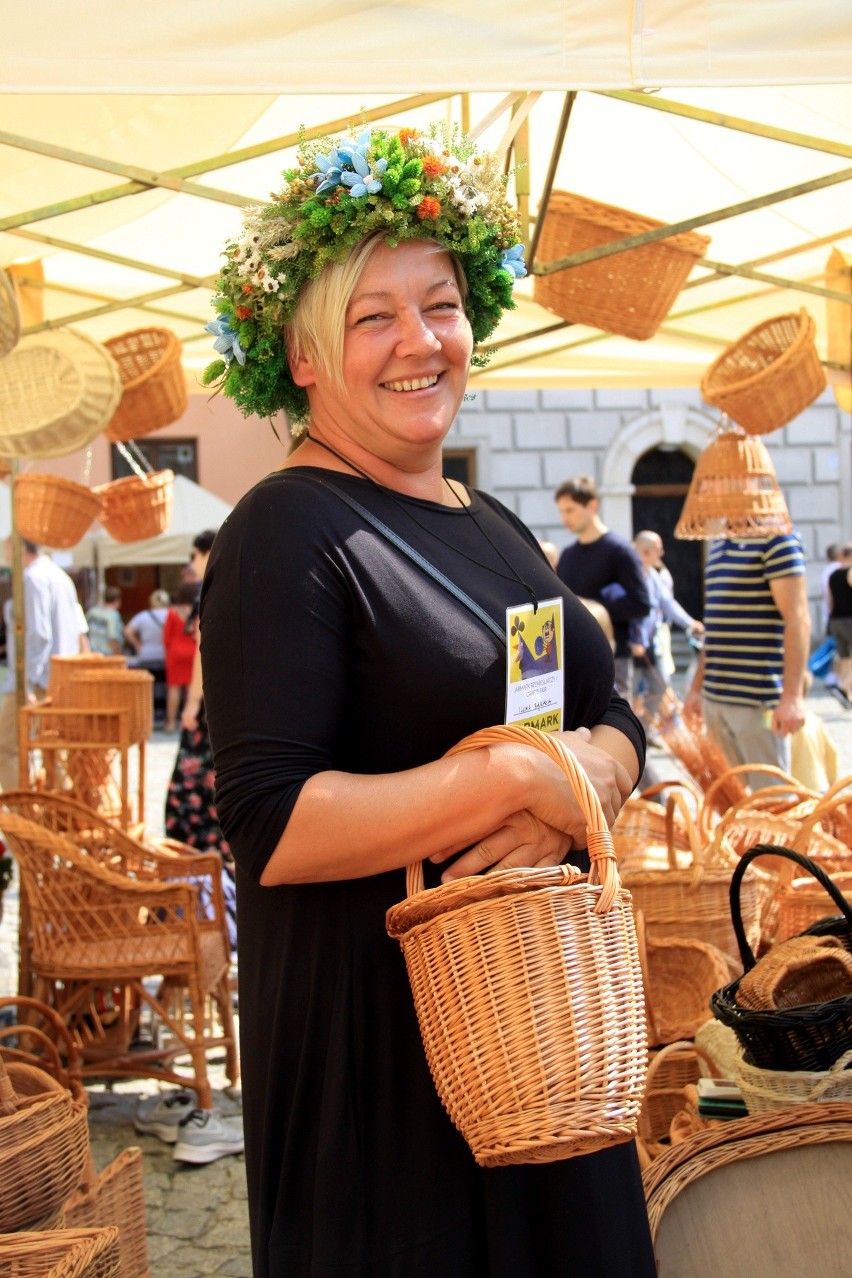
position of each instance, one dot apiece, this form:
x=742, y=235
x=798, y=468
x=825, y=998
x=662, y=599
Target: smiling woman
x=331, y=764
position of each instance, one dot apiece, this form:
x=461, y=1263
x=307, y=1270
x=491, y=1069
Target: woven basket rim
x=91, y=363
x=627, y=221
x=804, y=336
x=10, y=315
x=170, y=349
x=37, y=478
x=132, y=483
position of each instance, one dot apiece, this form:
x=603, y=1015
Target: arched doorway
x=660, y=480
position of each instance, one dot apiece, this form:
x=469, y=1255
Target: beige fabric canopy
x=123, y=174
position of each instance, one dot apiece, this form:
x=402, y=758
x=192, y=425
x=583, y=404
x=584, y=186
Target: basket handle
x=604, y=870
x=739, y=770
x=8, y=1098
x=677, y=802
x=832, y=1076
x=770, y=849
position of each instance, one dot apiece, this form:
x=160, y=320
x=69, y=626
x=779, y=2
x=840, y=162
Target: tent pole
x=18, y=622
x=555, y=153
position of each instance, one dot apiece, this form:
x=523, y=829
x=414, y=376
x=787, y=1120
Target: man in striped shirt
x=749, y=681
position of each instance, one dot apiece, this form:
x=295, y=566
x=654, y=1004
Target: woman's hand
x=523, y=840
x=189, y=715
x=554, y=823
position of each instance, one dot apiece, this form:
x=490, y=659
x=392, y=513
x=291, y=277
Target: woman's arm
x=510, y=805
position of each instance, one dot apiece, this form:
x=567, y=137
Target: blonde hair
x=319, y=321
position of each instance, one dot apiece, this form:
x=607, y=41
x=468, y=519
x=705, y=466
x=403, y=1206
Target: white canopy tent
x=125, y=173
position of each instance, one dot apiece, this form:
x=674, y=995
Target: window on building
x=179, y=455
x=460, y=464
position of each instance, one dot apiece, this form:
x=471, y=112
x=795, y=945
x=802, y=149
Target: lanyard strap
x=422, y=563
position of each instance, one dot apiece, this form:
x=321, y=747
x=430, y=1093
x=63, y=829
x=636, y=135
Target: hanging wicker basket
x=57, y=392
x=734, y=492
x=629, y=292
x=137, y=507
x=154, y=391
x=52, y=511
x=528, y=991
x=10, y=316
x=769, y=375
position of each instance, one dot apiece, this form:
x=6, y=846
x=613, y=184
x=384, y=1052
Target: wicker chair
x=100, y=936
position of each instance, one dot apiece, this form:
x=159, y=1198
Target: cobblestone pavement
x=197, y=1217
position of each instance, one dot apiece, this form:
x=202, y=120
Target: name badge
x=534, y=675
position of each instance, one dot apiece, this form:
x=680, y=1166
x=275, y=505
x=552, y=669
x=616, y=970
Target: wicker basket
x=769, y=375
x=733, y=492
x=809, y=1037
x=680, y=978
x=765, y=1089
x=640, y=829
x=57, y=391
x=44, y=1144
x=10, y=316
x=136, y=508
x=117, y=1197
x=800, y=970
x=39, y=1040
x=64, y=669
x=154, y=386
x=629, y=292
x=528, y=991
x=66, y=1253
x=689, y=898
x=113, y=689
x=52, y=511
x=670, y=1070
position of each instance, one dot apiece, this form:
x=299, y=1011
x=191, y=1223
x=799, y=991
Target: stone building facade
x=521, y=444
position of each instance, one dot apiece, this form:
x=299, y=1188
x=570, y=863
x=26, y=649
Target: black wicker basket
x=810, y=1037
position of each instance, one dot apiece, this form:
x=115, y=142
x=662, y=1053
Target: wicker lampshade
x=734, y=492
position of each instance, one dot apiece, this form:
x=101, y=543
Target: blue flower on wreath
x=349, y=147
x=364, y=181
x=512, y=261
x=227, y=341
x=330, y=168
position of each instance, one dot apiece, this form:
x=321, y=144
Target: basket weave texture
x=629, y=292
x=811, y=1036
x=65, y=1253
x=57, y=392
x=52, y=511
x=733, y=492
x=10, y=316
x=117, y=1197
x=115, y=689
x=767, y=1089
x=688, y=898
x=528, y=991
x=137, y=507
x=64, y=669
x=44, y=1144
x=769, y=375
x=154, y=387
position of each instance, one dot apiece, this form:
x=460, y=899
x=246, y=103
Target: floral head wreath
x=400, y=183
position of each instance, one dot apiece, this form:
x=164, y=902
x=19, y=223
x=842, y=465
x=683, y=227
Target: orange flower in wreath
x=432, y=166
x=428, y=208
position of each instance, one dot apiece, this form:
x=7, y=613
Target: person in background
x=336, y=676
x=180, y=646
x=144, y=633
x=839, y=590
x=550, y=552
x=52, y=629
x=748, y=684
x=602, y=566
x=652, y=679
x=106, y=629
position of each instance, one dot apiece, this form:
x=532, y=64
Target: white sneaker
x=203, y=1137
x=162, y=1115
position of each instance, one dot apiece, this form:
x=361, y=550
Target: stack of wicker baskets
x=792, y=1010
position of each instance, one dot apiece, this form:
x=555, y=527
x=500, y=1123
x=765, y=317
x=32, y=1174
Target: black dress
x=323, y=647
